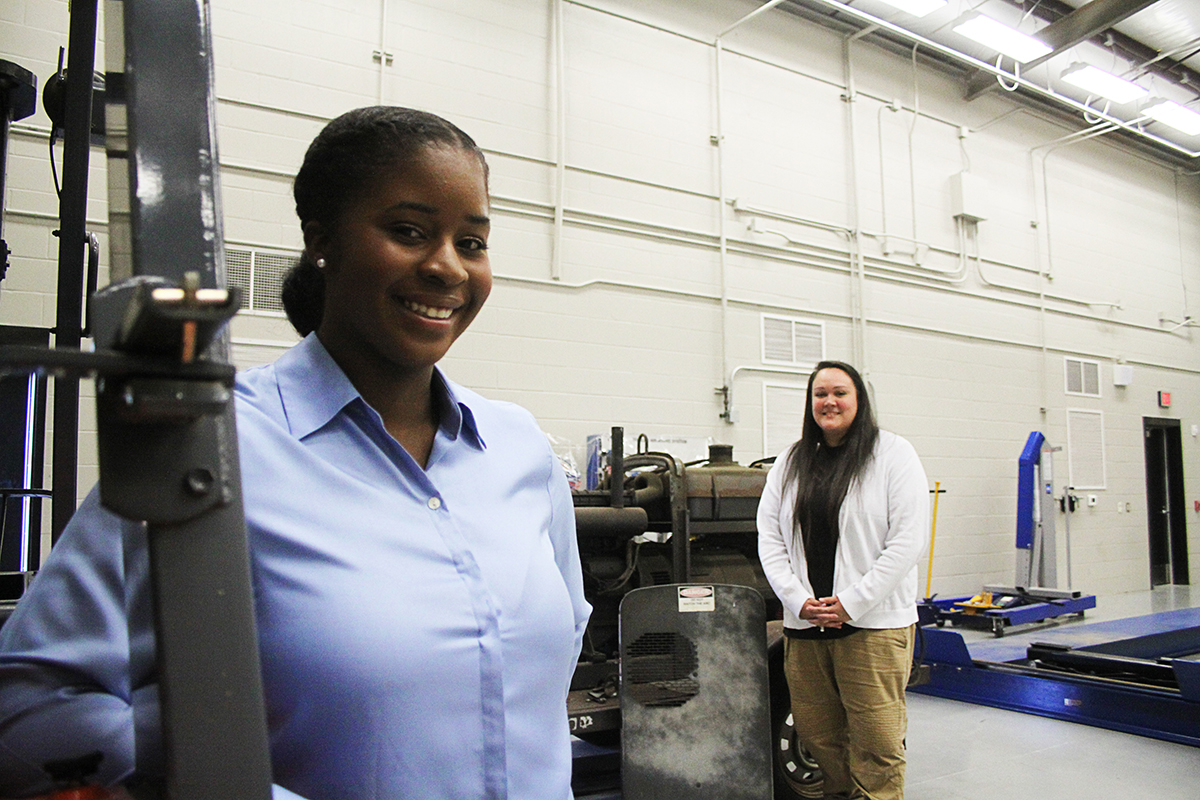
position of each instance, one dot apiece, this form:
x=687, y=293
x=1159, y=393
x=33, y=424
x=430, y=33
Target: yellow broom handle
x=932, y=534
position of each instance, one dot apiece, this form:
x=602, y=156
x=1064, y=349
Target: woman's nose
x=445, y=265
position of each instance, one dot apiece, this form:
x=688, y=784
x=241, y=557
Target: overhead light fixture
x=918, y=8
x=1105, y=84
x=1001, y=38
x=1171, y=113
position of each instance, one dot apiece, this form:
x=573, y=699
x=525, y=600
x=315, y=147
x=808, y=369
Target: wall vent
x=792, y=341
x=259, y=274
x=1082, y=376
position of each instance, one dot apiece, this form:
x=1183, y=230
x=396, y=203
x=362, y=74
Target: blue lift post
x=1031, y=599
x=1028, y=518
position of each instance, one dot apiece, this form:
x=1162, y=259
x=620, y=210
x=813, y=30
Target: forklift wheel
x=797, y=776
x=796, y=773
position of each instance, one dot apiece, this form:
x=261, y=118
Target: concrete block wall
x=620, y=321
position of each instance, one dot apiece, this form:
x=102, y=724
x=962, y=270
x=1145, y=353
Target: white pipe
x=844, y=231
x=858, y=265
x=726, y=388
x=1041, y=292
x=19, y=128
x=560, y=165
x=1179, y=237
x=828, y=314
x=761, y=9
x=881, y=268
x=794, y=373
x=1069, y=139
x=883, y=168
x=383, y=53
x=883, y=271
x=793, y=309
x=778, y=307
x=1186, y=322
x=912, y=156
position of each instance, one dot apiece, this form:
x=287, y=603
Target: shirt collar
x=314, y=390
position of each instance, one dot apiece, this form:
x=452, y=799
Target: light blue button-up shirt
x=418, y=628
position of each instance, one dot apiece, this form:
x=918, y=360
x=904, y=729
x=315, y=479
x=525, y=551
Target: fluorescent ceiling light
x=1001, y=38
x=918, y=8
x=1175, y=115
x=1097, y=81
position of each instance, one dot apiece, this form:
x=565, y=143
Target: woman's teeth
x=427, y=311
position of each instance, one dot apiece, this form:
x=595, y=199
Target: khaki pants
x=848, y=708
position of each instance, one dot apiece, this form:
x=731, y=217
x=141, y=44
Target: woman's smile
x=408, y=265
x=429, y=312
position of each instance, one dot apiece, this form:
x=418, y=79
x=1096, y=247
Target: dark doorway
x=1165, y=510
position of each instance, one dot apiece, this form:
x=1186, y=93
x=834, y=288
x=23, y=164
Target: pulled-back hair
x=342, y=162
x=824, y=497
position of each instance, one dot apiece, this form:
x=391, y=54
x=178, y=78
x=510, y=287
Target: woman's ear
x=316, y=242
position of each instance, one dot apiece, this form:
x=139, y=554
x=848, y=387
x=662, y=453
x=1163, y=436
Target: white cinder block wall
x=632, y=315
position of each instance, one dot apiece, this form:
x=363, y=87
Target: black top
x=820, y=540
x=820, y=524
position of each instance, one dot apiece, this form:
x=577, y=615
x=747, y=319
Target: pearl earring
x=320, y=263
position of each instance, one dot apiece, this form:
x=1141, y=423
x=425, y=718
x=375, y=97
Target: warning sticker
x=697, y=598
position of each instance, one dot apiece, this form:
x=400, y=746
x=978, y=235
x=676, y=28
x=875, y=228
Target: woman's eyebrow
x=425, y=208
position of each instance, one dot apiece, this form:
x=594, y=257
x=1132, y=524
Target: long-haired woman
x=842, y=522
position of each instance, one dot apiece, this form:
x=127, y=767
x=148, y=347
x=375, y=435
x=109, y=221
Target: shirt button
x=435, y=503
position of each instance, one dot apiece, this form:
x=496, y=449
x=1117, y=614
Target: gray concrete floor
x=961, y=751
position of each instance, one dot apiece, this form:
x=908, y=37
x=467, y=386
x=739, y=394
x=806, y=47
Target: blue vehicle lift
x=1029, y=600
x=1147, y=685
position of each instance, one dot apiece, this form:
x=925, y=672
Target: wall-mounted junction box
x=968, y=197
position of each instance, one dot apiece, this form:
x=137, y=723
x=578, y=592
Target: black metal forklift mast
x=169, y=447
x=165, y=415
x=72, y=211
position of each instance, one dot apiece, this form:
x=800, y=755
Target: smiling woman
x=396, y=231
x=834, y=403
x=418, y=593
x=842, y=521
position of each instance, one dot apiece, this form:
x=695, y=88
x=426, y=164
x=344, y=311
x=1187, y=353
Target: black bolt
x=198, y=482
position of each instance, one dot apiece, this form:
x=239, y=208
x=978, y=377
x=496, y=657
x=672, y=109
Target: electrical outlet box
x=968, y=197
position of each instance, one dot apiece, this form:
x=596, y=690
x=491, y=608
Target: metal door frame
x=1165, y=497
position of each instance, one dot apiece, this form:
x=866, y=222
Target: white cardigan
x=884, y=528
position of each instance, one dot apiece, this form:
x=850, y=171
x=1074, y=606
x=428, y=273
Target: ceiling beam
x=1083, y=23
x=1079, y=25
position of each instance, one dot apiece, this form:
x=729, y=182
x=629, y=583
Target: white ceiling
x=1157, y=47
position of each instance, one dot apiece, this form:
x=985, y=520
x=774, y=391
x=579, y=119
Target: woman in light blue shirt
x=418, y=592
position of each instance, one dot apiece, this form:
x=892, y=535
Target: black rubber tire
x=796, y=775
